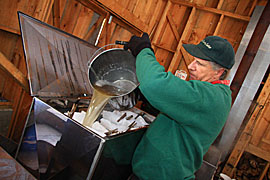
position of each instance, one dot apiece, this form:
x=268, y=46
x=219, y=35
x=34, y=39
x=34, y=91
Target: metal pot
x=113, y=72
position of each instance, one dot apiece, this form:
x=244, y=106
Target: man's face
x=202, y=70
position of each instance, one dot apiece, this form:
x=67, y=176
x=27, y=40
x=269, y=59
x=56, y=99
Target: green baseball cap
x=213, y=48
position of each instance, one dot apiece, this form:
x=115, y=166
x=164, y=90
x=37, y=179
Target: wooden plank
x=9, y=10
x=118, y=33
x=219, y=25
x=236, y=154
x=155, y=17
x=188, y=58
x=213, y=10
x=17, y=57
x=5, y=105
x=21, y=106
x=245, y=137
x=56, y=13
x=113, y=7
x=70, y=15
x=94, y=6
x=16, y=106
x=9, y=18
x=9, y=29
x=242, y=7
x=8, y=46
x=264, y=173
x=2, y=82
x=220, y=3
x=162, y=47
x=176, y=58
x=8, y=67
x=153, y=9
x=98, y=8
x=204, y=26
x=38, y=9
x=175, y=20
x=258, y=152
x=130, y=5
x=173, y=26
x=161, y=25
x=252, y=7
x=261, y=125
x=260, y=104
x=93, y=28
x=140, y=10
x=83, y=22
x=233, y=35
x=262, y=2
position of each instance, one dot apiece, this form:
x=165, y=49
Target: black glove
x=136, y=44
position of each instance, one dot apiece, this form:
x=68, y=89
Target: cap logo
x=206, y=44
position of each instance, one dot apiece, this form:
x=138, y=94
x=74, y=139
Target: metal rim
x=94, y=59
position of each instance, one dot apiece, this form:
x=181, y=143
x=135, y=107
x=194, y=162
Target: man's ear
x=219, y=72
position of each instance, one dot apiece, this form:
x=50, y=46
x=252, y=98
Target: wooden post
x=161, y=25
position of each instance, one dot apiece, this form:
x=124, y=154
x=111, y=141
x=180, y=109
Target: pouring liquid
x=103, y=92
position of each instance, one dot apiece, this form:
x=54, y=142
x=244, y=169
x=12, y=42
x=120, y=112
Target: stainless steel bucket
x=113, y=72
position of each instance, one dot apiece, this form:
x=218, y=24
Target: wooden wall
x=254, y=139
x=170, y=23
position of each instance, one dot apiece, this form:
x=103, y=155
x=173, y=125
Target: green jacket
x=192, y=115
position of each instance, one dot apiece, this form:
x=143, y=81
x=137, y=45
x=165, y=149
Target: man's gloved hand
x=136, y=44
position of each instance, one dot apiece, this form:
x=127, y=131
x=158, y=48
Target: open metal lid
x=56, y=61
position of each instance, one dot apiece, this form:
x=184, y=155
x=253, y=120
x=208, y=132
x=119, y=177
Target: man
x=192, y=112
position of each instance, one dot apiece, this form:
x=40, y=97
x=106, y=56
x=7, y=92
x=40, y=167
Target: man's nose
x=191, y=66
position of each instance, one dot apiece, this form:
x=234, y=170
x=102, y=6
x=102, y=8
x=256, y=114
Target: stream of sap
x=103, y=92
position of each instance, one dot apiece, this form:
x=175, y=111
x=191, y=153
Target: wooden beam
x=94, y=6
x=264, y=173
x=70, y=16
x=8, y=29
x=43, y=10
x=56, y=13
x=259, y=152
x=12, y=71
x=122, y=13
x=220, y=3
x=252, y=7
x=212, y=10
x=218, y=25
x=5, y=105
x=162, y=47
x=101, y=10
x=162, y=24
x=173, y=26
x=187, y=58
x=93, y=28
x=125, y=16
x=245, y=137
x=176, y=59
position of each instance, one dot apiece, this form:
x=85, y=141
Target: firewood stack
x=250, y=167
